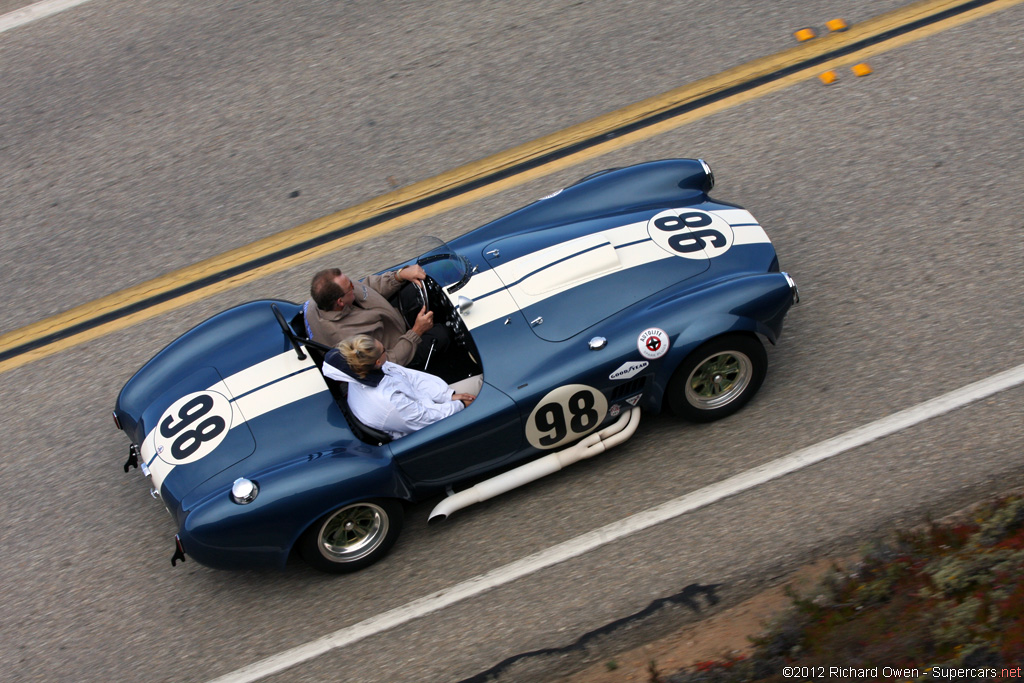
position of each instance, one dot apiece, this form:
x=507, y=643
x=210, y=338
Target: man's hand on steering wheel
x=424, y=321
x=413, y=273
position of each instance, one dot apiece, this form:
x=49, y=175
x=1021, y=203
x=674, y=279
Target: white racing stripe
x=270, y=384
x=287, y=390
x=542, y=274
x=490, y=300
x=745, y=228
x=264, y=372
x=630, y=526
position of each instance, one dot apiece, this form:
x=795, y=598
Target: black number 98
x=189, y=441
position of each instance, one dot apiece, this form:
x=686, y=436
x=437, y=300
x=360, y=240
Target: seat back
x=363, y=432
x=339, y=390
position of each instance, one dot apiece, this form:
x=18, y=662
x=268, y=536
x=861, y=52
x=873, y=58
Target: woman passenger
x=389, y=397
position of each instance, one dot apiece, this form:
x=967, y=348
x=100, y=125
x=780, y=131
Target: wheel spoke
x=718, y=380
x=353, y=532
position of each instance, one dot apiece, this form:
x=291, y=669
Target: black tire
x=352, y=537
x=717, y=378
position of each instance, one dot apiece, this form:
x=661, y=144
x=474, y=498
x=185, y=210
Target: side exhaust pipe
x=597, y=443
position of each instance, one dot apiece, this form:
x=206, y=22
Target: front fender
x=220, y=533
x=754, y=304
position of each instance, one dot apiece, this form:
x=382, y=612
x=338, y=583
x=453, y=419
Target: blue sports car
x=629, y=291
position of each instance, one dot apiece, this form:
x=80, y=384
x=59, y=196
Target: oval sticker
x=652, y=343
x=192, y=427
x=565, y=414
x=691, y=233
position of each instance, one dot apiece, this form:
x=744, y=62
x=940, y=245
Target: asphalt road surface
x=137, y=138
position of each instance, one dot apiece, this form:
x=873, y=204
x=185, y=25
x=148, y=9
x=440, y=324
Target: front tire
x=352, y=537
x=718, y=378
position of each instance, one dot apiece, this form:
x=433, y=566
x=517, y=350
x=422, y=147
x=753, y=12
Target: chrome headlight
x=244, y=491
x=711, y=176
x=793, y=288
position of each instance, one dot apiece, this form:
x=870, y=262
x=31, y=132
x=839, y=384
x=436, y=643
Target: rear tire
x=717, y=378
x=352, y=537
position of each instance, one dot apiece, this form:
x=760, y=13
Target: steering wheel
x=439, y=302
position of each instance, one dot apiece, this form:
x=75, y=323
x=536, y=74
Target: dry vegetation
x=946, y=597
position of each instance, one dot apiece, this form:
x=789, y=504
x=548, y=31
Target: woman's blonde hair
x=361, y=354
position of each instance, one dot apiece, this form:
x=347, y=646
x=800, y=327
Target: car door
x=477, y=439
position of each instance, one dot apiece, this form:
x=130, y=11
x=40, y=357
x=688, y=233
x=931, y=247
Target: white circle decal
x=691, y=233
x=192, y=427
x=652, y=343
x=565, y=414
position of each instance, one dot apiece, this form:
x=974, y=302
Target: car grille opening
x=629, y=388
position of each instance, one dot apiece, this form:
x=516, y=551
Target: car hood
x=571, y=260
x=201, y=406
x=607, y=264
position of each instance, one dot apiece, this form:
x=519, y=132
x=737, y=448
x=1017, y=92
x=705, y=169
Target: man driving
x=339, y=309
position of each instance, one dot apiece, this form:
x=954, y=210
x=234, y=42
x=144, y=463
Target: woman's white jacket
x=405, y=400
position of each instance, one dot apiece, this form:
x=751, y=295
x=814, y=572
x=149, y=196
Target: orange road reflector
x=804, y=34
x=837, y=25
x=829, y=77
x=861, y=69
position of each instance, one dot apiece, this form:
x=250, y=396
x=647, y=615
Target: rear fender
x=223, y=534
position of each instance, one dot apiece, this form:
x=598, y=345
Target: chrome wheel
x=718, y=380
x=353, y=532
x=353, y=536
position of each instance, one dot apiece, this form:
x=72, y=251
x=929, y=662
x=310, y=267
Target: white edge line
x=630, y=525
x=38, y=10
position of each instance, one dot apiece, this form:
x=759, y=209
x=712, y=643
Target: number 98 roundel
x=691, y=233
x=192, y=427
x=565, y=414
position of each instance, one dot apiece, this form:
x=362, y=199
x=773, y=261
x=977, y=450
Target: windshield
x=448, y=269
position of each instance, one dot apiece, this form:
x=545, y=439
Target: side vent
x=629, y=388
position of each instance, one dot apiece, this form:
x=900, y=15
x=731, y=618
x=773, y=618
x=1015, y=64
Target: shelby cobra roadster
x=631, y=290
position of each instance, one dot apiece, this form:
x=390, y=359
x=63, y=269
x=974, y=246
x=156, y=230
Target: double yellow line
x=488, y=176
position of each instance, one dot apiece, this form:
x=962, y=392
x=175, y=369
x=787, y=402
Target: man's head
x=332, y=290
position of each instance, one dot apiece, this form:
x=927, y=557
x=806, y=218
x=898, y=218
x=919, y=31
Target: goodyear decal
x=629, y=369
